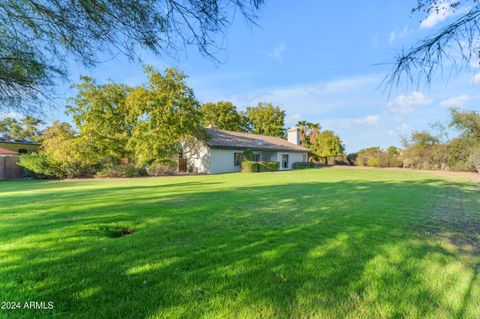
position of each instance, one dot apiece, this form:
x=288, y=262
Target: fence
x=9, y=168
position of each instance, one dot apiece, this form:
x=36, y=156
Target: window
x=285, y=160
x=304, y=157
x=237, y=159
x=256, y=157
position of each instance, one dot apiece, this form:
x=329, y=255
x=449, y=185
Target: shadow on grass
x=299, y=249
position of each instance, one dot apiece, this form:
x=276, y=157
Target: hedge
x=255, y=167
x=302, y=165
x=41, y=166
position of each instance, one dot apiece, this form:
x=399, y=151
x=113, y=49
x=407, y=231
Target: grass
x=312, y=243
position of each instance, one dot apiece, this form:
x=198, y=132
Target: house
x=222, y=151
x=19, y=146
x=10, y=152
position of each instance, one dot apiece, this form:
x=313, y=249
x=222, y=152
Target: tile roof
x=6, y=140
x=240, y=140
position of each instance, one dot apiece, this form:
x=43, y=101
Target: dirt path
x=473, y=176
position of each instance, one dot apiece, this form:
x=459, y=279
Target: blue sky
x=321, y=61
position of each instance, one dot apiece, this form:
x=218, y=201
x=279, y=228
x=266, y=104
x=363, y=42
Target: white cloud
x=457, y=101
x=476, y=78
x=404, y=104
x=14, y=115
x=402, y=130
x=316, y=98
x=475, y=63
x=369, y=120
x=438, y=13
x=277, y=52
x=398, y=33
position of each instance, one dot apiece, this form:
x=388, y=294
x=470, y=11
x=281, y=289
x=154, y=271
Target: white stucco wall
x=292, y=158
x=198, y=157
x=222, y=161
x=215, y=161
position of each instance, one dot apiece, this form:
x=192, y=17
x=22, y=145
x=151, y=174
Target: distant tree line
x=425, y=150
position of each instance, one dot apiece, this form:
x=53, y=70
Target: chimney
x=293, y=135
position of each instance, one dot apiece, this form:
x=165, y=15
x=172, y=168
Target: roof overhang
x=245, y=148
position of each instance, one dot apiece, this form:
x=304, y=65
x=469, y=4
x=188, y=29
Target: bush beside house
x=256, y=167
x=302, y=165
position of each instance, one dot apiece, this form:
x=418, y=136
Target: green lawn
x=320, y=243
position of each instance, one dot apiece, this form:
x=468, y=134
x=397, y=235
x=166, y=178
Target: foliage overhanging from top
x=38, y=36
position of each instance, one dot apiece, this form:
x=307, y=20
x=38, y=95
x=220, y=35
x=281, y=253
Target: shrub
x=373, y=162
x=249, y=166
x=475, y=159
x=248, y=155
x=302, y=165
x=255, y=167
x=352, y=158
x=41, y=166
x=120, y=171
x=162, y=168
x=270, y=166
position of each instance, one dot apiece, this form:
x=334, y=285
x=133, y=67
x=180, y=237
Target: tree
x=303, y=127
x=424, y=151
x=314, y=130
x=223, y=115
x=468, y=123
x=37, y=36
x=327, y=145
x=165, y=113
x=103, y=119
x=28, y=128
x=308, y=132
x=62, y=146
x=266, y=119
x=456, y=43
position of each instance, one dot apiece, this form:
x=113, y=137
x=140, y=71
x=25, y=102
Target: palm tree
x=314, y=130
x=302, y=125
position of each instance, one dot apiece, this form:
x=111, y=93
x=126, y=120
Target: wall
x=9, y=168
x=198, y=157
x=16, y=146
x=222, y=161
x=292, y=158
x=215, y=161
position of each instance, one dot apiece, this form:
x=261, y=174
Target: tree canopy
x=266, y=119
x=38, y=36
x=120, y=124
x=27, y=128
x=327, y=145
x=223, y=115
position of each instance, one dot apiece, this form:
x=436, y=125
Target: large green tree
x=327, y=145
x=143, y=124
x=223, y=115
x=165, y=113
x=103, y=120
x=38, y=37
x=27, y=128
x=266, y=119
